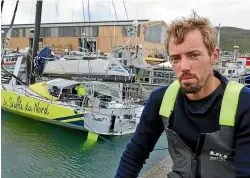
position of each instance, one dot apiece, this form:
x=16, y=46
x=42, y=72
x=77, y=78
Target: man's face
x=191, y=62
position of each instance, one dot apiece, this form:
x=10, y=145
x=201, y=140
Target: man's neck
x=211, y=84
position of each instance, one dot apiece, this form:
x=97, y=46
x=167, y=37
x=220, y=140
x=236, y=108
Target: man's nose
x=185, y=64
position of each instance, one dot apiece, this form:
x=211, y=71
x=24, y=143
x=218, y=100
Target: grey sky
x=226, y=12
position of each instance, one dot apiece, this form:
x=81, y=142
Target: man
x=204, y=138
x=81, y=90
x=82, y=93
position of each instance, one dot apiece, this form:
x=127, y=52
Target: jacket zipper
x=189, y=149
x=194, y=155
x=197, y=171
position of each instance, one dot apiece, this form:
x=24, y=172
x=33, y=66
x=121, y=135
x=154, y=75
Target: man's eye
x=194, y=55
x=175, y=59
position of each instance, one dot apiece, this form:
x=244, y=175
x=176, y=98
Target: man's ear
x=215, y=56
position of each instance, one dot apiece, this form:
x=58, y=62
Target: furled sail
x=96, y=67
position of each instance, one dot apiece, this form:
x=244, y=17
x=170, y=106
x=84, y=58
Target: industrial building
x=103, y=35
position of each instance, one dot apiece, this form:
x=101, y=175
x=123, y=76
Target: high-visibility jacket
x=216, y=158
x=81, y=90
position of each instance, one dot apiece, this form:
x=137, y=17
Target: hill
x=232, y=36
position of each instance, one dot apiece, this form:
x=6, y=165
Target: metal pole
x=218, y=37
x=8, y=34
x=39, y=5
x=2, y=2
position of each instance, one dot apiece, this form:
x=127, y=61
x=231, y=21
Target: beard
x=190, y=87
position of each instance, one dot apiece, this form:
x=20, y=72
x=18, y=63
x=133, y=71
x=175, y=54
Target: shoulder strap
x=167, y=104
x=230, y=103
x=228, y=107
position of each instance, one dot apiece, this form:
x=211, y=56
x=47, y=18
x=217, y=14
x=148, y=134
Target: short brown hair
x=179, y=28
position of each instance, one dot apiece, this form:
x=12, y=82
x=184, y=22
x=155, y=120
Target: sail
x=85, y=67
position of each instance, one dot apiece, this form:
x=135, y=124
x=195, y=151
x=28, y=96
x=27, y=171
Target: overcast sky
x=226, y=12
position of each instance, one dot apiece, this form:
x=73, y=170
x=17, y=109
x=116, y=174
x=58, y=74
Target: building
x=103, y=35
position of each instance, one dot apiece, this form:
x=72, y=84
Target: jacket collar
x=222, y=78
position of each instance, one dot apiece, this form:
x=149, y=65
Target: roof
x=149, y=23
x=68, y=24
x=62, y=83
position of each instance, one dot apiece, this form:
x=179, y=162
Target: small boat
x=9, y=61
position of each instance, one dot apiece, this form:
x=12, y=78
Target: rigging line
x=52, y=31
x=118, y=21
x=125, y=9
x=196, y=15
x=91, y=45
x=83, y=12
x=57, y=9
x=110, y=33
x=89, y=63
x=50, y=38
x=100, y=18
x=57, y=20
x=73, y=21
x=89, y=20
x=84, y=40
x=14, y=76
x=3, y=86
x=83, y=27
x=8, y=35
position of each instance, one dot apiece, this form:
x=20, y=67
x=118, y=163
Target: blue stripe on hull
x=69, y=117
x=79, y=123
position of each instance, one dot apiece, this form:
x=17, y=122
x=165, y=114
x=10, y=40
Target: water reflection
x=36, y=149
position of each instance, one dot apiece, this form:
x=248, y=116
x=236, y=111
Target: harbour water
x=36, y=149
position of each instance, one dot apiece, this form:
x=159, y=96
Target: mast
x=218, y=37
x=8, y=34
x=2, y=2
x=39, y=5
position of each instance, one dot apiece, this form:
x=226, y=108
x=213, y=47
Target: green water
x=36, y=149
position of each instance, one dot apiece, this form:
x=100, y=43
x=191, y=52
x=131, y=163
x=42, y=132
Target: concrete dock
x=160, y=170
